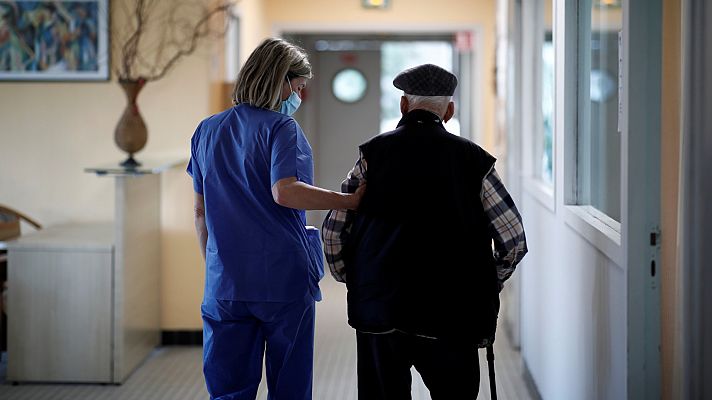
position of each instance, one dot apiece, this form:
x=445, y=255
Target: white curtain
x=696, y=204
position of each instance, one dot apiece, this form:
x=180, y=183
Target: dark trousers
x=450, y=370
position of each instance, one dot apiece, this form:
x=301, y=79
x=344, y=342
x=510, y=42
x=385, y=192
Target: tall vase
x=131, y=133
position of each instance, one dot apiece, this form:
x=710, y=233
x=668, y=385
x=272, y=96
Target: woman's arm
x=289, y=192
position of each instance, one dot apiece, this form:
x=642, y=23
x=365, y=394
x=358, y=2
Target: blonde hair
x=260, y=80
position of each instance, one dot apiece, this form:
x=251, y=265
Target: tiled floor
x=175, y=372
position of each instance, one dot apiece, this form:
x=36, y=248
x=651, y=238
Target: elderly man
x=423, y=281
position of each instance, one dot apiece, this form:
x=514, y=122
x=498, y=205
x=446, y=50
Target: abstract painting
x=54, y=40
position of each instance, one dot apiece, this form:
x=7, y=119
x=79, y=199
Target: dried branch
x=199, y=31
x=158, y=40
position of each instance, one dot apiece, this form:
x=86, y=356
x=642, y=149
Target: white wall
x=573, y=310
x=52, y=131
x=573, y=325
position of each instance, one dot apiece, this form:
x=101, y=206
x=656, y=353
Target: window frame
x=534, y=21
x=538, y=145
x=595, y=226
x=586, y=173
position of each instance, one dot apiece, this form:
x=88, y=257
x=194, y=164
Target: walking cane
x=490, y=367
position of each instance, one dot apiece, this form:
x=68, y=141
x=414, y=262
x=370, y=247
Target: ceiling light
x=374, y=3
x=608, y=3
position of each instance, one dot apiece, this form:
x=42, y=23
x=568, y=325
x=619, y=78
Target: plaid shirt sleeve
x=506, y=228
x=337, y=225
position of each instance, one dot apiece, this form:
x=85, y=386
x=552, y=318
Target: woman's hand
x=354, y=199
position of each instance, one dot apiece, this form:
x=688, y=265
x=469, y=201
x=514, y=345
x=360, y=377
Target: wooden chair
x=10, y=223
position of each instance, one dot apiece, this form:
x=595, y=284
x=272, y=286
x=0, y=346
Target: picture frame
x=54, y=40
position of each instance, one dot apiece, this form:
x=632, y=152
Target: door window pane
x=599, y=152
x=349, y=85
x=399, y=55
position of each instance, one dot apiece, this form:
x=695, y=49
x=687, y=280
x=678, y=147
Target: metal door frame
x=642, y=69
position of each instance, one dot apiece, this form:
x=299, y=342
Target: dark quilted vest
x=419, y=257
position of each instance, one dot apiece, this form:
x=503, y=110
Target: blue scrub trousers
x=236, y=335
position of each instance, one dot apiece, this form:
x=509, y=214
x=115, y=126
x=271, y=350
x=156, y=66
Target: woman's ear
x=286, y=90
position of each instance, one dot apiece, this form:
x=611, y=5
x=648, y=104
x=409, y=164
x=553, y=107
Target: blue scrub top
x=257, y=250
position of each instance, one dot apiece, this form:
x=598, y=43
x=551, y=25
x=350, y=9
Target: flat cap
x=426, y=80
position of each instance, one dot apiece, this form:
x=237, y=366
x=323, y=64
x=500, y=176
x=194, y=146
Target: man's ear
x=449, y=112
x=404, y=105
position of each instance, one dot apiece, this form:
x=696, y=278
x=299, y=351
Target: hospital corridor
x=186, y=184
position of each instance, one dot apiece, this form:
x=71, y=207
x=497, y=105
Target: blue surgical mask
x=292, y=103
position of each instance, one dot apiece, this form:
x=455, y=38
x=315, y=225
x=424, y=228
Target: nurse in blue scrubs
x=252, y=173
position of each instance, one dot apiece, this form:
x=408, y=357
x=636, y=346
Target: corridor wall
x=574, y=281
x=669, y=173
x=52, y=131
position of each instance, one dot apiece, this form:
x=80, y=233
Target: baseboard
x=529, y=382
x=182, y=338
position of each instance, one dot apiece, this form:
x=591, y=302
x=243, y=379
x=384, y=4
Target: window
x=598, y=175
x=399, y=55
x=232, y=48
x=544, y=159
x=349, y=85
